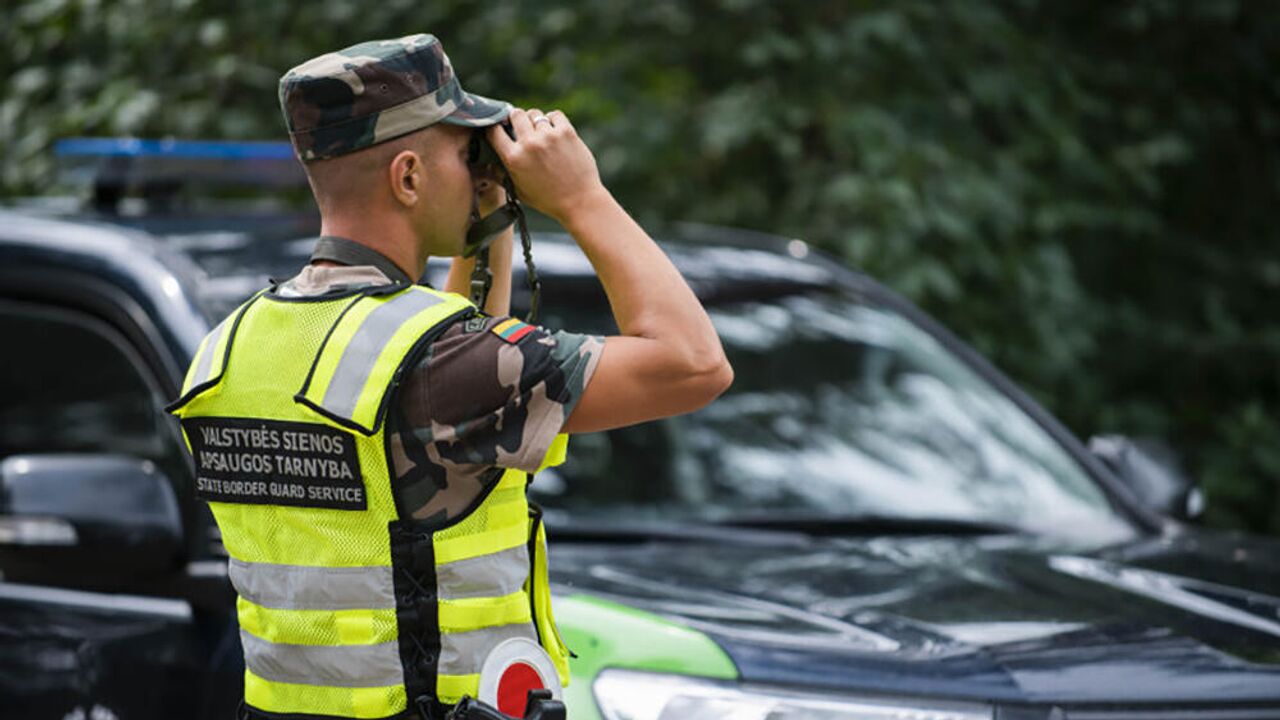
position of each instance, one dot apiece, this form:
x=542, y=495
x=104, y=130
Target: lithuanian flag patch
x=512, y=330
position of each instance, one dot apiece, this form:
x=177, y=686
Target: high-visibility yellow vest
x=346, y=607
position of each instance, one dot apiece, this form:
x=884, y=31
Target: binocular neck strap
x=486, y=229
x=483, y=232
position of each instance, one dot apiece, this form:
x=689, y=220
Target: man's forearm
x=649, y=297
x=499, y=300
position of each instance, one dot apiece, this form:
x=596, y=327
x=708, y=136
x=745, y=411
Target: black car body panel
x=63, y=650
x=112, y=269
x=1002, y=617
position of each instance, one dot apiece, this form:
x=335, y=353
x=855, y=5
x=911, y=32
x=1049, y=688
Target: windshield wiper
x=817, y=524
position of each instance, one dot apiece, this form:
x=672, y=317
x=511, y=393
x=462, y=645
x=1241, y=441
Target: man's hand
x=553, y=169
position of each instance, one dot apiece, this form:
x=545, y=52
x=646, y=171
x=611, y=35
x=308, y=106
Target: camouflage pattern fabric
x=490, y=393
x=480, y=401
x=376, y=91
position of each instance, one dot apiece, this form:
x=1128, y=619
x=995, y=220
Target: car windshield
x=840, y=409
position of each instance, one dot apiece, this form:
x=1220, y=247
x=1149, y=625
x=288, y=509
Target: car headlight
x=632, y=695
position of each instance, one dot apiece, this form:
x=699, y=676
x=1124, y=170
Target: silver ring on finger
x=541, y=118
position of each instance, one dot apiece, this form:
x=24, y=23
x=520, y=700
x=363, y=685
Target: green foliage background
x=1084, y=190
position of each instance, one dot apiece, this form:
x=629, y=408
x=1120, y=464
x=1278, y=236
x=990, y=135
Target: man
x=365, y=443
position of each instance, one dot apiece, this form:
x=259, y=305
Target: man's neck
x=392, y=239
x=331, y=250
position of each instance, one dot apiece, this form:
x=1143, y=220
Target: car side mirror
x=86, y=516
x=1152, y=471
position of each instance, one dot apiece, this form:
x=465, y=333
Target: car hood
x=1192, y=616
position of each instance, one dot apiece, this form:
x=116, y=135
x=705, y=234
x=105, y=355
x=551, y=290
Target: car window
x=839, y=408
x=69, y=383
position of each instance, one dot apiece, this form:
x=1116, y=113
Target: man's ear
x=408, y=177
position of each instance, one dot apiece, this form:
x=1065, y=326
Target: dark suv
x=872, y=523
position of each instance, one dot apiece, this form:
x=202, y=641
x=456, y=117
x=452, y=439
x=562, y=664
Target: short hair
x=352, y=177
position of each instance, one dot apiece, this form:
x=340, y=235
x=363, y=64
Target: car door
x=105, y=641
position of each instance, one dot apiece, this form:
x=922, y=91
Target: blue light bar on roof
x=194, y=149
x=134, y=162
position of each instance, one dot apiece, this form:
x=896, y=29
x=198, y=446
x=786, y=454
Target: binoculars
x=483, y=159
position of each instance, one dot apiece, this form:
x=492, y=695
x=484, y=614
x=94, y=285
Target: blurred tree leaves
x=1084, y=190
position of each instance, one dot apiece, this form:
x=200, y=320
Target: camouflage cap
x=369, y=93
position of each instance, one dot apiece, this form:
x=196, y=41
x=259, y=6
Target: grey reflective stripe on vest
x=366, y=345
x=494, y=575
x=464, y=653
x=300, y=587
x=333, y=665
x=204, y=364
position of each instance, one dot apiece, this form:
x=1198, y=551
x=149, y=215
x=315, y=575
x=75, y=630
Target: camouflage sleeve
x=491, y=392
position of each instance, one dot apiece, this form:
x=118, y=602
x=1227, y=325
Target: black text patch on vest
x=273, y=462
